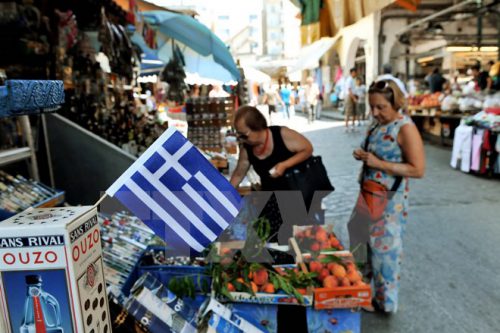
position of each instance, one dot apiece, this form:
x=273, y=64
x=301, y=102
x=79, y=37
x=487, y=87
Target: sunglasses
x=242, y=136
x=382, y=87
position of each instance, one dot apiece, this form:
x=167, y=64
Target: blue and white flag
x=177, y=192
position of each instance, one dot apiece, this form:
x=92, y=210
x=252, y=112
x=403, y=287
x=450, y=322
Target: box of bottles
x=51, y=272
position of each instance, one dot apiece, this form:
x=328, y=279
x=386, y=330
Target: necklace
x=264, y=147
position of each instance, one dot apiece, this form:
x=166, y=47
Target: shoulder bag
x=308, y=177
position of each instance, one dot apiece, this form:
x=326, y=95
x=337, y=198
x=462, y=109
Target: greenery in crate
x=232, y=271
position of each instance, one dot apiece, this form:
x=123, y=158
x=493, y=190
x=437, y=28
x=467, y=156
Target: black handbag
x=309, y=177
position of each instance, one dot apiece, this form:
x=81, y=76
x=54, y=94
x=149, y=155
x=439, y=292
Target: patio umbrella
x=194, y=35
x=195, y=65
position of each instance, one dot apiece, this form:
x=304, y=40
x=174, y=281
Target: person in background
x=311, y=92
x=217, y=91
x=350, y=100
x=436, y=81
x=394, y=149
x=271, y=98
x=387, y=75
x=360, y=92
x=286, y=98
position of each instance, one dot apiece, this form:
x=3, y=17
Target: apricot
x=325, y=245
x=315, y=266
x=315, y=247
x=353, y=276
x=231, y=287
x=344, y=282
x=321, y=236
x=339, y=271
x=254, y=287
x=330, y=282
x=260, y=277
x=268, y=288
x=359, y=283
x=323, y=274
x=334, y=242
x=225, y=251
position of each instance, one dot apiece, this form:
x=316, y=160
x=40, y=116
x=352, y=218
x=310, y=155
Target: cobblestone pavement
x=451, y=271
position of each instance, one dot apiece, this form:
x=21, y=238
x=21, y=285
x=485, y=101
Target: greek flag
x=177, y=192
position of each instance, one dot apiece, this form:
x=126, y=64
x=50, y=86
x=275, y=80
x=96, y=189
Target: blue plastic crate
x=164, y=273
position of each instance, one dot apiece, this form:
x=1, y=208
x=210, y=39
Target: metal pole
x=47, y=150
x=435, y=15
x=25, y=123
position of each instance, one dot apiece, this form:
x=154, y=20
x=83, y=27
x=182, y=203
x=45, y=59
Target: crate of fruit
x=316, y=238
x=238, y=280
x=339, y=283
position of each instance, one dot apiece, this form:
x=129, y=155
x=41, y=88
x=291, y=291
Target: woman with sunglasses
x=392, y=150
x=271, y=150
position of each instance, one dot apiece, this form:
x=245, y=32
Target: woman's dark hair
x=253, y=118
x=391, y=92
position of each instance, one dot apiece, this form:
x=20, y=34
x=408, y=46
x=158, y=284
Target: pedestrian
x=360, y=92
x=436, y=81
x=271, y=150
x=271, y=98
x=392, y=152
x=350, y=99
x=311, y=92
x=286, y=97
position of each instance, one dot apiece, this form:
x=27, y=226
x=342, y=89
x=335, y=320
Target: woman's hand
x=358, y=153
x=279, y=170
x=369, y=159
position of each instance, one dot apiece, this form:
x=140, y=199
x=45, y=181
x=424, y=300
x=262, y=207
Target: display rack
x=21, y=98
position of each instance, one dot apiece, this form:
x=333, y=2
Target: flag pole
x=100, y=200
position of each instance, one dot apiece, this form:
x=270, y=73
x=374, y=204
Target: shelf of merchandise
x=28, y=152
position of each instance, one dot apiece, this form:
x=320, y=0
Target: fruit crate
x=317, y=238
x=349, y=295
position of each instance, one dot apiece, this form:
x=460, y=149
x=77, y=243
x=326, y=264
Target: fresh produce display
x=317, y=238
x=332, y=272
x=234, y=273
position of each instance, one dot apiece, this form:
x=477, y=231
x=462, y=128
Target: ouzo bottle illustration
x=41, y=310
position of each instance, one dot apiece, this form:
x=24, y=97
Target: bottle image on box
x=41, y=310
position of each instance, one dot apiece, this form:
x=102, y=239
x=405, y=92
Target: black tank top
x=279, y=154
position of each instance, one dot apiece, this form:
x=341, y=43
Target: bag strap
x=398, y=179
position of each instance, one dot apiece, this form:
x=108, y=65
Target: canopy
x=254, y=75
x=310, y=55
x=150, y=63
x=194, y=35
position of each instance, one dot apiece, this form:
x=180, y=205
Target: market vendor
x=271, y=150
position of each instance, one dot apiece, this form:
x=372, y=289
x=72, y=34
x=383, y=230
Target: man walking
x=311, y=93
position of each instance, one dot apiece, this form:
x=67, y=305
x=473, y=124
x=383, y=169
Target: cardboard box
x=51, y=272
x=338, y=320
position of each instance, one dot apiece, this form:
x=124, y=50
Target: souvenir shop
x=72, y=132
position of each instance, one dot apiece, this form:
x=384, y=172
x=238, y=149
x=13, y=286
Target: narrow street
x=450, y=276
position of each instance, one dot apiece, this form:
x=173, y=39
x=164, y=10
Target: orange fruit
x=323, y=274
x=330, y=282
x=260, y=277
x=321, y=235
x=353, y=276
x=315, y=247
x=254, y=287
x=344, y=282
x=268, y=288
x=231, y=287
x=315, y=266
x=339, y=271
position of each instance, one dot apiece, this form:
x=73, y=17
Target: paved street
x=451, y=271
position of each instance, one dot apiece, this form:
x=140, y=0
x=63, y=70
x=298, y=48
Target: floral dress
x=386, y=235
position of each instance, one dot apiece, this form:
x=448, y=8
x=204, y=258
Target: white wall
x=363, y=30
